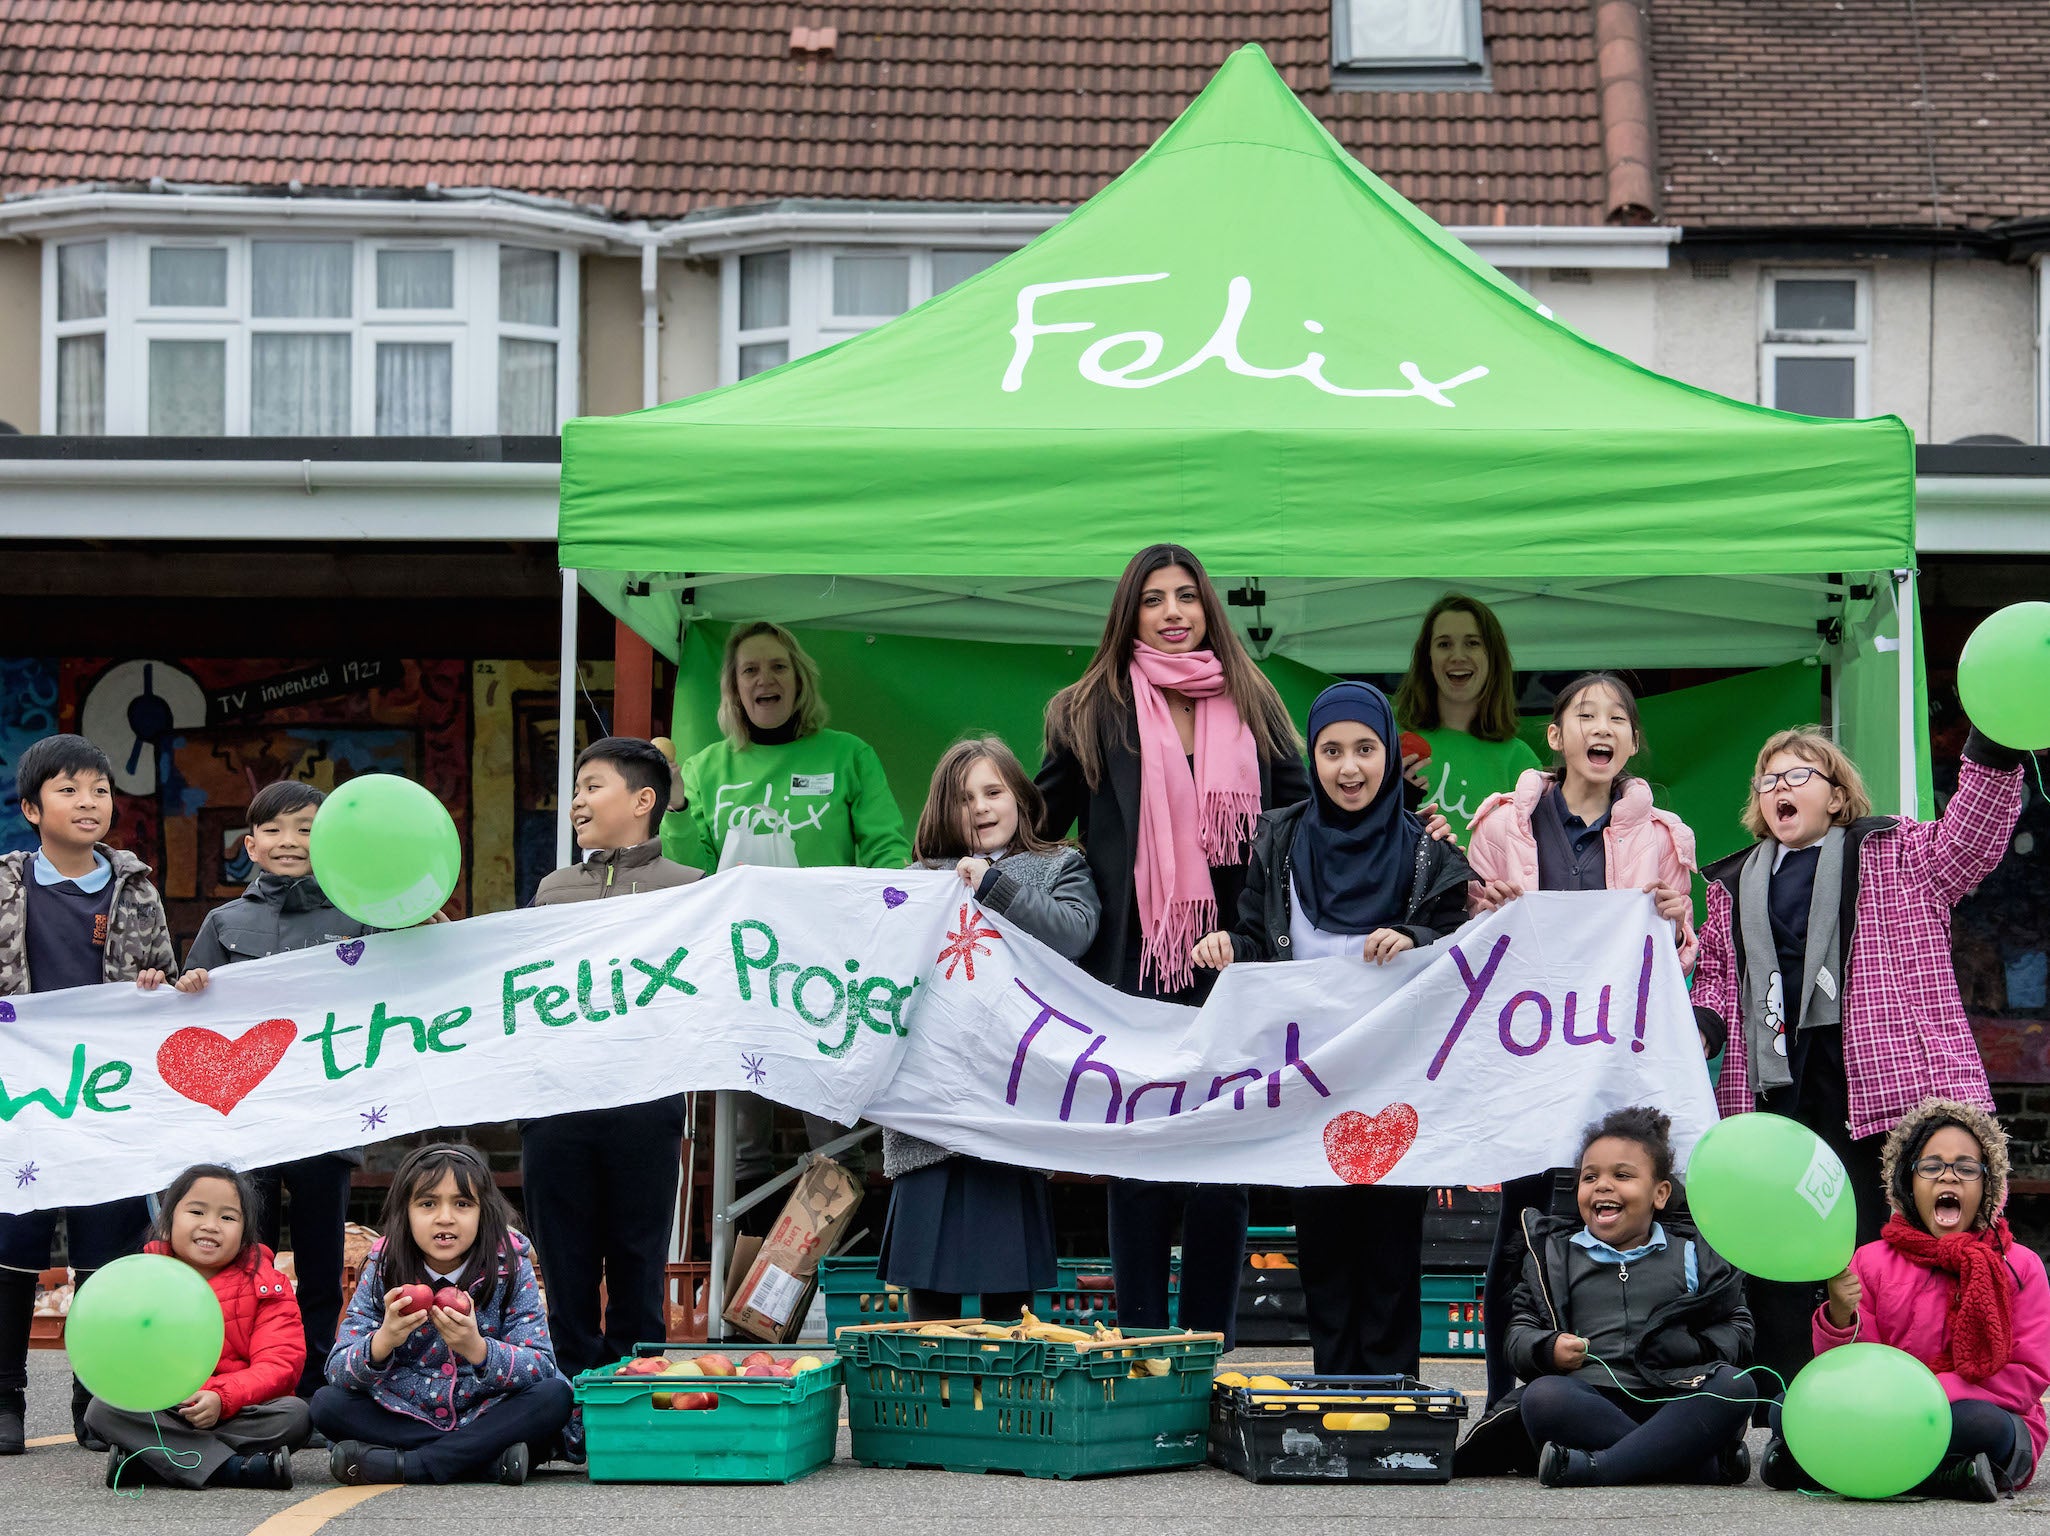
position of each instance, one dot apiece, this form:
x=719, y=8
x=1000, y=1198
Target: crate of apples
x=759, y=1364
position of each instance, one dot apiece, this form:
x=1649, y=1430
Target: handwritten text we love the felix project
x=856, y=994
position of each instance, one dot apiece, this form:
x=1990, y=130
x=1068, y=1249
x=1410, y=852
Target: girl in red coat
x=240, y=1429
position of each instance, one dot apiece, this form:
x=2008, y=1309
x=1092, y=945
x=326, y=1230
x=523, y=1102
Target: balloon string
x=1686, y=1396
x=171, y=1456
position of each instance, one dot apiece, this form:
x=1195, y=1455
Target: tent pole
x=723, y=1129
x=566, y=723
x=1904, y=600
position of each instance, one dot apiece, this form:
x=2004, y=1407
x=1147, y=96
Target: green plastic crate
x=765, y=1429
x=1040, y=1408
x=855, y=1295
x=1452, y=1315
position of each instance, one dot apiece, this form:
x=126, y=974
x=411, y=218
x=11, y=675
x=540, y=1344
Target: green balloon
x=1772, y=1198
x=385, y=851
x=144, y=1332
x=2003, y=676
x=1866, y=1420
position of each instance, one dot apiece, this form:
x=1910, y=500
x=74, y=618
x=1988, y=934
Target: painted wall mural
x=193, y=739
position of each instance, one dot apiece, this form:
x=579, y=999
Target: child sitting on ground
x=464, y=1384
x=1629, y=1331
x=1948, y=1283
x=240, y=1429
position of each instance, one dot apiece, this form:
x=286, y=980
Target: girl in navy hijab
x=1349, y=872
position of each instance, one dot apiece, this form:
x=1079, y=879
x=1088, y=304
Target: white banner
x=851, y=993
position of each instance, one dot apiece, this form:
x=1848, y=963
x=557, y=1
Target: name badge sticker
x=811, y=783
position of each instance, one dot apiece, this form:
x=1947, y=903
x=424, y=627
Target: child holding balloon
x=239, y=1429
x=1826, y=955
x=1627, y=1329
x=1948, y=1284
x=443, y=1370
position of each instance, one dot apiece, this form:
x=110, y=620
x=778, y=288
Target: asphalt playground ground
x=58, y=1489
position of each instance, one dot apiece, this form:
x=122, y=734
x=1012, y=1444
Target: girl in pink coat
x=1947, y=1283
x=1582, y=825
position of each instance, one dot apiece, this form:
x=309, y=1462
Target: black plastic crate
x=1336, y=1429
x=1459, y=1228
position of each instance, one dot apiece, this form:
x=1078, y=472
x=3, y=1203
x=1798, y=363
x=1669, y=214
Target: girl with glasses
x=1948, y=1283
x=1826, y=953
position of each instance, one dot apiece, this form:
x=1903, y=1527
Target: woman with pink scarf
x=1162, y=757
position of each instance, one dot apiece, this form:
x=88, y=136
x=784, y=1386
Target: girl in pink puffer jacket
x=1581, y=825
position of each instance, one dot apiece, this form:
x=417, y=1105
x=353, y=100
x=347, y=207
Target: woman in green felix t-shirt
x=780, y=788
x=1459, y=695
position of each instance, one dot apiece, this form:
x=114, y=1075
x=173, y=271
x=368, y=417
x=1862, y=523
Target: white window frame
x=1854, y=344
x=1469, y=72
x=471, y=323
x=812, y=324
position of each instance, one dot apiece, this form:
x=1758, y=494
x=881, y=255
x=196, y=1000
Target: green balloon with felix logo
x=1772, y=1198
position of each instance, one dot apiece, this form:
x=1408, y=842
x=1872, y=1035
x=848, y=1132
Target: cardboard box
x=777, y=1275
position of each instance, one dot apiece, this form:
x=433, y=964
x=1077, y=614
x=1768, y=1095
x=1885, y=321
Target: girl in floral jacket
x=1827, y=955
x=442, y=1369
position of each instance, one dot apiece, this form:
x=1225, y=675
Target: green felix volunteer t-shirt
x=827, y=790
x=1464, y=771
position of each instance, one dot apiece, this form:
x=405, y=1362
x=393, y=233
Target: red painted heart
x=220, y=1073
x=1362, y=1148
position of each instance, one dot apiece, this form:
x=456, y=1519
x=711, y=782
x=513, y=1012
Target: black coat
x=1437, y=896
x=1682, y=1344
x=1106, y=819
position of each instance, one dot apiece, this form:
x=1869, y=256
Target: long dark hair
x=1570, y=695
x=180, y=1187
x=1416, y=701
x=942, y=830
x=402, y=1262
x=1086, y=712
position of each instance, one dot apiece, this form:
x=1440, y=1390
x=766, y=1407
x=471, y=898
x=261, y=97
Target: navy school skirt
x=967, y=1227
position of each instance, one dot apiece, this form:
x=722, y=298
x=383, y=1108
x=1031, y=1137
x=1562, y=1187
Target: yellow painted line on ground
x=310, y=1514
x=42, y=1440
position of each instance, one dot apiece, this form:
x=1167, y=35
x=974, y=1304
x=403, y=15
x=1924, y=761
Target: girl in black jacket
x=1628, y=1330
x=1350, y=872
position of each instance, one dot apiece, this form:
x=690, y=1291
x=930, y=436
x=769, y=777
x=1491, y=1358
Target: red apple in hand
x=449, y=1299
x=1413, y=745
x=416, y=1298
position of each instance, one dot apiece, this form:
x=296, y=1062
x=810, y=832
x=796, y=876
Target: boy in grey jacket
x=284, y=909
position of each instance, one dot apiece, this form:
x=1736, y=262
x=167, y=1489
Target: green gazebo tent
x=1251, y=345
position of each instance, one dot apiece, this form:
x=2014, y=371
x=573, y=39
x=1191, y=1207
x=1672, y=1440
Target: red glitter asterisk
x=964, y=946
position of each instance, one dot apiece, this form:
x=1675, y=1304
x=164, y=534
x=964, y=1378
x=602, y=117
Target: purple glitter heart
x=6, y=1013
x=894, y=898
x=350, y=952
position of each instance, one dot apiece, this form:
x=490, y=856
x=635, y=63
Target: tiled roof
x=657, y=110
x=1781, y=112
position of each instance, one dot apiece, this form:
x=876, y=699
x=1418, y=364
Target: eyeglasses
x=1793, y=778
x=1969, y=1170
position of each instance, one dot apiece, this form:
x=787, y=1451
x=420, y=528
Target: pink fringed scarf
x=1187, y=825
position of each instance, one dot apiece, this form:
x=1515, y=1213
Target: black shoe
x=259, y=1469
x=13, y=1434
x=511, y=1468
x=1779, y=1469
x=353, y=1463
x=1967, y=1478
x=1559, y=1467
x=1733, y=1464
x=133, y=1469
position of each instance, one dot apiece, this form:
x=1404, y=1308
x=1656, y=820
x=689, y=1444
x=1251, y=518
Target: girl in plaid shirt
x=1826, y=955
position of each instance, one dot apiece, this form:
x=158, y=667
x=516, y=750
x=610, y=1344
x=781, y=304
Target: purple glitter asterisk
x=751, y=1063
x=372, y=1118
x=25, y=1175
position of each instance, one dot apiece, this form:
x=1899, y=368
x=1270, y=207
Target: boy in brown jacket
x=631, y=1155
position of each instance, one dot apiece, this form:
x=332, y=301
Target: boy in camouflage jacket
x=85, y=897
